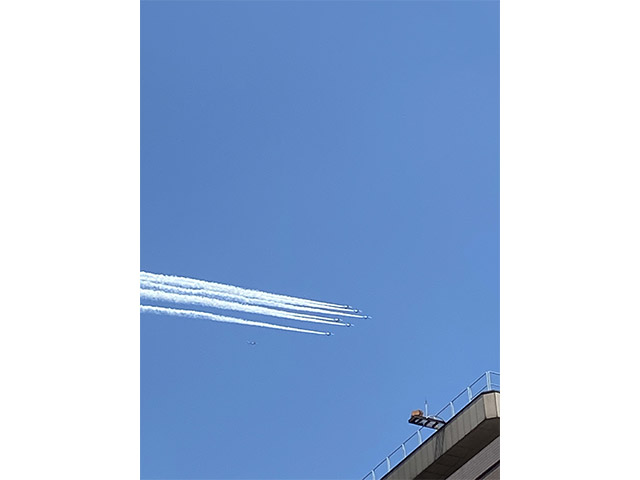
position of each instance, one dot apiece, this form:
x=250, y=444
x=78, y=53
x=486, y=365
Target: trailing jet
x=251, y=343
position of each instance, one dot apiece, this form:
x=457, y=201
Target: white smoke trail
x=221, y=318
x=247, y=293
x=193, y=283
x=156, y=285
x=222, y=304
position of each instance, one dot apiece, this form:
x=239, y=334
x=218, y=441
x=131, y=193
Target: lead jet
x=251, y=343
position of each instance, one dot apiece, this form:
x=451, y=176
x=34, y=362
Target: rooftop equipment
x=418, y=417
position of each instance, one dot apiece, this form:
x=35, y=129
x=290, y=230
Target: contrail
x=222, y=304
x=221, y=318
x=157, y=285
x=193, y=283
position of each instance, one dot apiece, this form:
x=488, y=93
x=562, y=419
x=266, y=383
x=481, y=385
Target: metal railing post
x=488, y=381
x=453, y=410
x=373, y=474
x=404, y=451
x=469, y=393
x=419, y=437
x=388, y=465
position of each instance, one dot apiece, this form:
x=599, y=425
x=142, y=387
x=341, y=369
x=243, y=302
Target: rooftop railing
x=487, y=382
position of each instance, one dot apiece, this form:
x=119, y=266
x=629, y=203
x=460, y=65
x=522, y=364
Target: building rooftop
x=469, y=432
x=467, y=440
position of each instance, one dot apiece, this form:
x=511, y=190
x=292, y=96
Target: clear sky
x=341, y=151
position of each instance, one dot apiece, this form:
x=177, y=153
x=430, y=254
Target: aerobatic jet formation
x=201, y=295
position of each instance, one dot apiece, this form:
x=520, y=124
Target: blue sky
x=341, y=151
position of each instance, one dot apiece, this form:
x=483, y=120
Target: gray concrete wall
x=481, y=465
x=493, y=474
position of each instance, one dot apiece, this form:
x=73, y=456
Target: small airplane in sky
x=251, y=343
